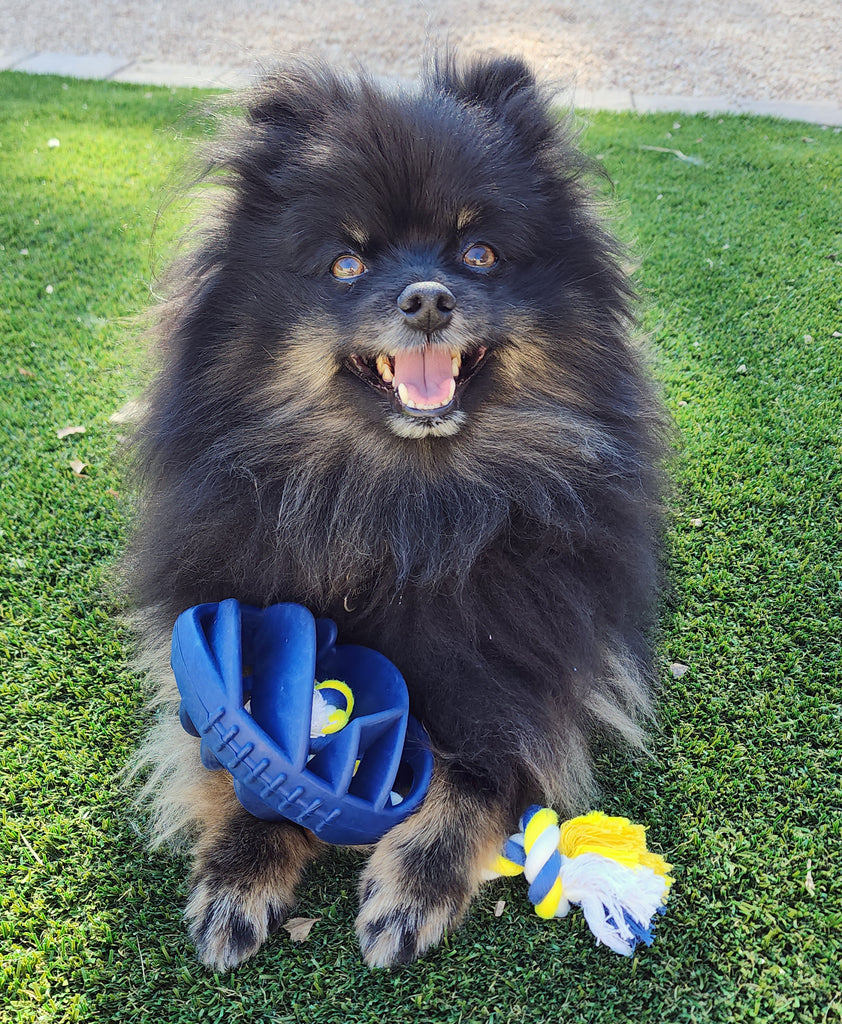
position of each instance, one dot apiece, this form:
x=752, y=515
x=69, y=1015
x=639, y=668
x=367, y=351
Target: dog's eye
x=481, y=256
x=348, y=267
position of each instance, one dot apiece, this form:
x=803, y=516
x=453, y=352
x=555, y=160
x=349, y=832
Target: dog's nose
x=427, y=305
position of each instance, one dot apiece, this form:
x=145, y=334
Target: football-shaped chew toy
x=246, y=678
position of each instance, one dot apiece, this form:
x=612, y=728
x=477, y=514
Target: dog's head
x=403, y=332
x=406, y=260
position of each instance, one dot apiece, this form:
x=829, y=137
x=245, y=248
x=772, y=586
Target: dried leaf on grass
x=677, y=670
x=809, y=884
x=695, y=160
x=22, y=370
x=31, y=849
x=499, y=907
x=67, y=431
x=299, y=928
x=78, y=467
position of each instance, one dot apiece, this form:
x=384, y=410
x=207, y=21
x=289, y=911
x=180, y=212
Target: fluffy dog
x=398, y=387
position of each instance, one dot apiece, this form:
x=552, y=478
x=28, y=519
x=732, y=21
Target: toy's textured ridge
x=246, y=679
x=600, y=863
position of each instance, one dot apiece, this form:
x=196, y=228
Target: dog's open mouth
x=422, y=382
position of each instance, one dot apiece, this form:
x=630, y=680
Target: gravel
x=737, y=50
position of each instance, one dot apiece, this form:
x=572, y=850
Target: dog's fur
x=502, y=554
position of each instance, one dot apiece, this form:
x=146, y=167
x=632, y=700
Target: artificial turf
x=740, y=278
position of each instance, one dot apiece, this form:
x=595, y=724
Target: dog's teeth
x=403, y=394
x=456, y=364
x=384, y=368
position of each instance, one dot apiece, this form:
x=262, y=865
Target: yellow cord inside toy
x=339, y=717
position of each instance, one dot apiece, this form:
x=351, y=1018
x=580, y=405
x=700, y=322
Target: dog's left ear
x=505, y=86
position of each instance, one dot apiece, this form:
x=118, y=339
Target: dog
x=399, y=385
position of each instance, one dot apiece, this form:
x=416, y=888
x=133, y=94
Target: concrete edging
x=148, y=71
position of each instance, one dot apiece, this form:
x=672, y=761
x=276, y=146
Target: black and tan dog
x=398, y=388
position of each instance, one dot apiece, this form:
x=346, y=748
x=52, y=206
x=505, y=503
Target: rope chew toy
x=596, y=861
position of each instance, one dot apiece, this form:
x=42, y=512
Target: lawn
x=740, y=278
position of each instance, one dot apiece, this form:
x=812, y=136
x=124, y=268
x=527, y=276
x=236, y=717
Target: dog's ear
x=295, y=99
x=505, y=86
x=489, y=82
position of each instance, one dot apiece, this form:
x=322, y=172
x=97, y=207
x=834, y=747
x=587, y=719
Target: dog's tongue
x=427, y=376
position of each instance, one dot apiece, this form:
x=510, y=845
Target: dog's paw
x=243, y=886
x=423, y=874
x=396, y=926
x=228, y=926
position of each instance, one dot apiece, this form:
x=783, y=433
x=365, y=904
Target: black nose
x=427, y=305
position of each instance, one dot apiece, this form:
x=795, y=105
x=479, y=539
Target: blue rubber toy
x=246, y=678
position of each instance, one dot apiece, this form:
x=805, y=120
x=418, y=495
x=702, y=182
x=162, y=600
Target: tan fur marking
x=357, y=234
x=621, y=699
x=465, y=217
x=414, y=429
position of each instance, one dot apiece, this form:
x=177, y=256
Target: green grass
x=741, y=279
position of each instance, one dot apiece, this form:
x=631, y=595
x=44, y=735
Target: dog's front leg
x=422, y=875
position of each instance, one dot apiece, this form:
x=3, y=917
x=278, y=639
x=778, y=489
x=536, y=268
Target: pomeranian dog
x=399, y=387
